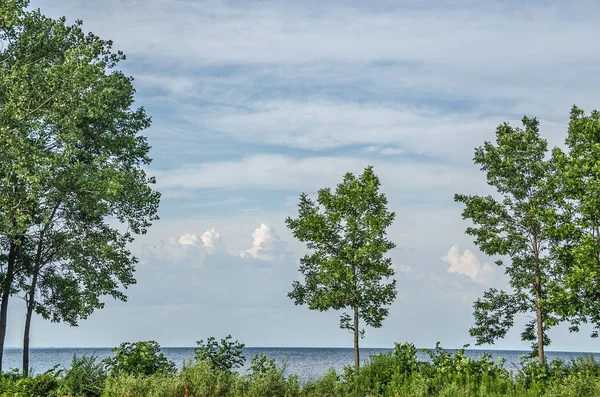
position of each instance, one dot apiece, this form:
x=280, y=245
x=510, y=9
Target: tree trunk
x=538, y=297
x=30, y=303
x=540, y=325
x=356, y=352
x=10, y=269
x=26, y=334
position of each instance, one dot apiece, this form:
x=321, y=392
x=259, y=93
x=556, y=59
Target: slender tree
x=346, y=232
x=519, y=224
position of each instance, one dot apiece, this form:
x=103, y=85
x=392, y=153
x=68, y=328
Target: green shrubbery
x=139, y=358
x=140, y=370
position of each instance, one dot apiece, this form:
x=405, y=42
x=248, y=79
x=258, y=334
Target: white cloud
x=391, y=151
x=384, y=151
x=187, y=239
x=287, y=32
x=467, y=264
x=212, y=241
x=402, y=268
x=287, y=172
x=266, y=244
x=318, y=124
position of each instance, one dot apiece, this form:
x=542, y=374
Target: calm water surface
x=308, y=363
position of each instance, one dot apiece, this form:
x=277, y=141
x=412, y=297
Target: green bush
x=203, y=379
x=139, y=358
x=85, y=377
x=261, y=365
x=329, y=385
x=224, y=356
x=135, y=385
x=44, y=385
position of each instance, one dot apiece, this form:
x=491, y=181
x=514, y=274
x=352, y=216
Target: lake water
x=308, y=363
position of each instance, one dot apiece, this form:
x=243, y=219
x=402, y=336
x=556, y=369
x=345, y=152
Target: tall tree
x=71, y=161
x=578, y=239
x=519, y=225
x=346, y=232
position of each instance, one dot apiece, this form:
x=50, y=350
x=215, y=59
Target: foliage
x=394, y=373
x=136, y=385
x=225, y=355
x=71, y=157
x=520, y=225
x=261, y=365
x=43, y=385
x=86, y=376
x=346, y=232
x=139, y=358
x=578, y=250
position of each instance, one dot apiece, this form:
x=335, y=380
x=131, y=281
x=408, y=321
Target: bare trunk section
x=538, y=300
x=356, y=352
x=540, y=327
x=30, y=303
x=10, y=270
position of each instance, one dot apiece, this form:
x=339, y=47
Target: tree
x=519, y=225
x=346, y=232
x=578, y=237
x=71, y=169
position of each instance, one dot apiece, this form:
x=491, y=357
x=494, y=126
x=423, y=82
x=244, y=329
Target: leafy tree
x=519, y=225
x=578, y=237
x=71, y=159
x=225, y=355
x=346, y=232
x=139, y=358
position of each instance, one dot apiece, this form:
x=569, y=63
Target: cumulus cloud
x=211, y=239
x=467, y=264
x=187, y=239
x=266, y=244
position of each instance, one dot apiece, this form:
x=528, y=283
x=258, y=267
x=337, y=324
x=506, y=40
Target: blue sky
x=254, y=102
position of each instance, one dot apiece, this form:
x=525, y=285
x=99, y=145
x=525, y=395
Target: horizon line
x=308, y=347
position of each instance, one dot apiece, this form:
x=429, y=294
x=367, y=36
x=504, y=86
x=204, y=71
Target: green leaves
x=71, y=159
x=519, y=222
x=139, y=358
x=223, y=356
x=345, y=231
x=577, y=244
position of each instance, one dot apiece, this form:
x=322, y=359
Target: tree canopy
x=346, y=233
x=73, y=189
x=517, y=223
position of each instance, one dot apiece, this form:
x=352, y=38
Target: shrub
x=85, y=377
x=329, y=385
x=135, y=385
x=224, y=356
x=203, y=379
x=139, y=358
x=261, y=365
x=44, y=385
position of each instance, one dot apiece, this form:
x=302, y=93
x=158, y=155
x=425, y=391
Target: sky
x=254, y=102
